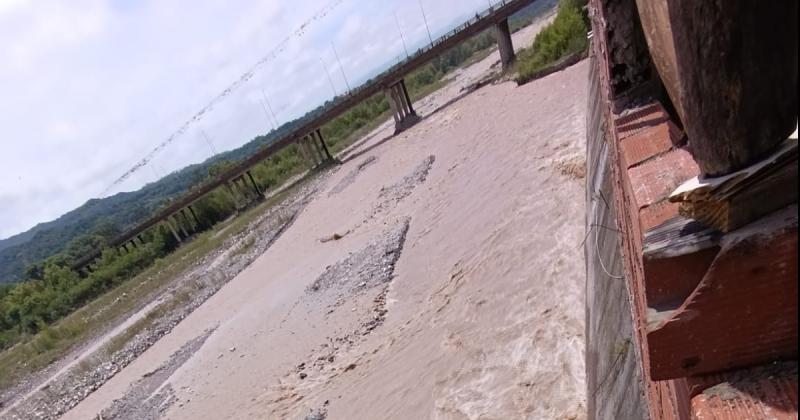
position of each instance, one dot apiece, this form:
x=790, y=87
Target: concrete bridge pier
x=241, y=186
x=232, y=194
x=319, y=156
x=194, y=216
x=504, y=45
x=172, y=229
x=308, y=152
x=181, y=225
x=400, y=103
x=258, y=191
x=317, y=135
x=187, y=222
x=307, y=158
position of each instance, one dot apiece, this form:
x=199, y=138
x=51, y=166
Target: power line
x=264, y=95
x=425, y=19
x=403, y=40
x=280, y=47
x=208, y=140
x=266, y=114
x=340, y=67
x=330, y=80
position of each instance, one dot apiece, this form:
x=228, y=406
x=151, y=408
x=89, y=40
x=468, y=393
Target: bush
x=52, y=290
x=564, y=36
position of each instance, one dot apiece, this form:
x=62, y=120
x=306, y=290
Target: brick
x=656, y=214
x=654, y=180
x=639, y=119
x=648, y=143
x=743, y=312
x=675, y=257
x=763, y=392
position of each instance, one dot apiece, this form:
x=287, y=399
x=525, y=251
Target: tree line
x=51, y=289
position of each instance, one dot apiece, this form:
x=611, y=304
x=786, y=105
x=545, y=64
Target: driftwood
x=731, y=201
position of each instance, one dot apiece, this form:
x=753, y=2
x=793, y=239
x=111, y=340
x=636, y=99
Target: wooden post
x=736, y=71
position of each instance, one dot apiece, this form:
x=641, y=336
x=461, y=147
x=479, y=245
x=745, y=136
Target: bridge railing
x=500, y=10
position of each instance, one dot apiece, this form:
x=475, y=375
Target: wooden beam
x=734, y=200
x=736, y=62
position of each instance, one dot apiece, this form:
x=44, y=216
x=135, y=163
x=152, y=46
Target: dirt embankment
x=113, y=352
x=441, y=279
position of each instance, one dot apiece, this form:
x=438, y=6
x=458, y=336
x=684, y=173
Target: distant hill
x=125, y=210
x=122, y=210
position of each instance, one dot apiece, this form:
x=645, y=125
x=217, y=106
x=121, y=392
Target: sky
x=88, y=88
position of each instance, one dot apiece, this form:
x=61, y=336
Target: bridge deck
x=474, y=26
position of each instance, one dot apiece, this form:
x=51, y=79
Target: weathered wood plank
x=734, y=200
x=737, y=65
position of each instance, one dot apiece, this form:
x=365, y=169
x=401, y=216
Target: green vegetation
x=564, y=36
x=124, y=210
x=56, y=340
x=47, y=313
x=52, y=290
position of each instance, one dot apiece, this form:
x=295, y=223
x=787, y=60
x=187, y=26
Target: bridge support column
x=168, y=221
x=180, y=225
x=504, y=45
x=400, y=104
x=301, y=146
x=306, y=146
x=232, y=194
x=194, y=215
x=316, y=147
x=241, y=185
x=255, y=186
x=186, y=220
x=392, y=105
x=317, y=135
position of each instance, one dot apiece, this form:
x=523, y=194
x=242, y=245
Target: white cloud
x=88, y=87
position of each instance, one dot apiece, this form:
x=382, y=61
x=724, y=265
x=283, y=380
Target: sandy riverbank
x=476, y=312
